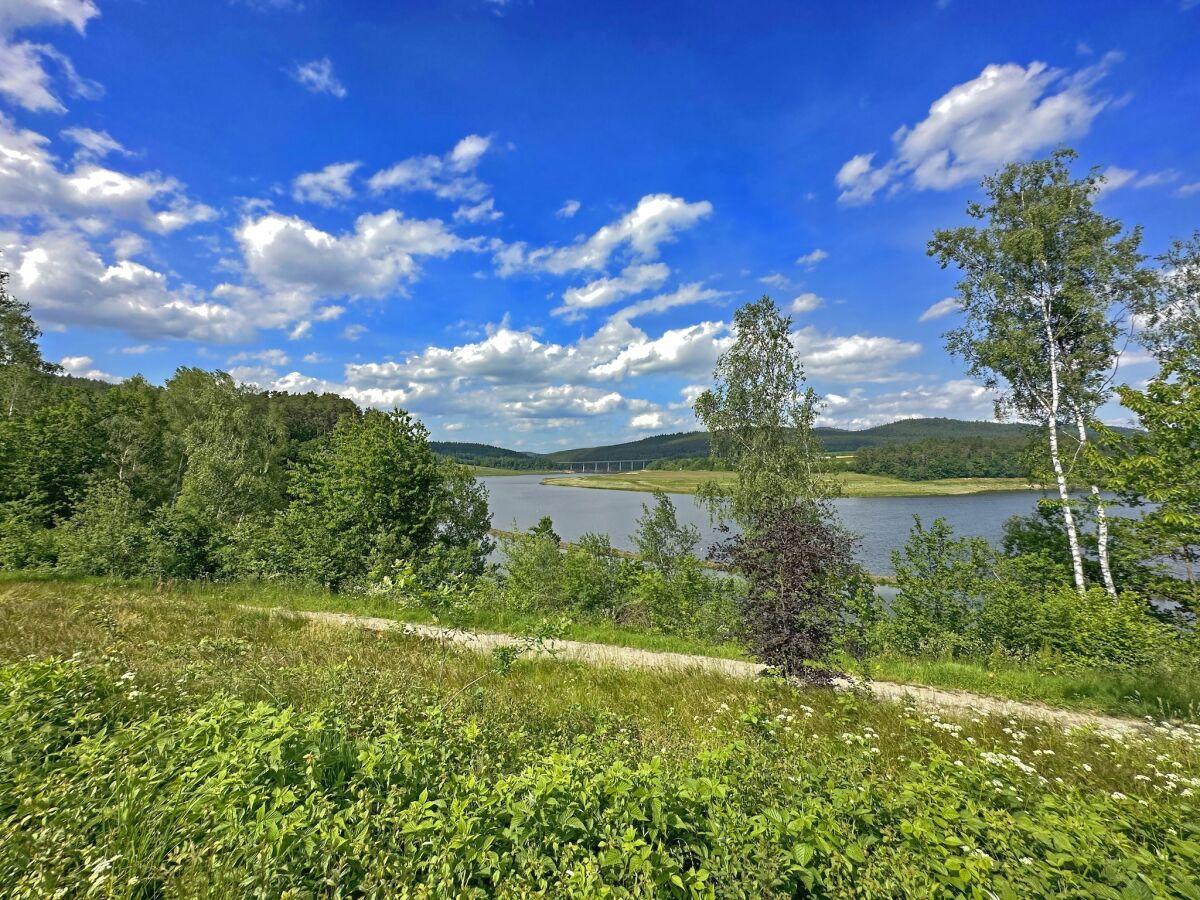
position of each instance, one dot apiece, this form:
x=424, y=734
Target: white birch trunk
x=1056, y=458
x=1101, y=519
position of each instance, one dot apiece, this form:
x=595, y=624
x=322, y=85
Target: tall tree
x=1159, y=465
x=1047, y=282
x=804, y=589
x=1170, y=317
x=21, y=363
x=759, y=415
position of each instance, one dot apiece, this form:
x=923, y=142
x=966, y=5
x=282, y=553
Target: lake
x=883, y=522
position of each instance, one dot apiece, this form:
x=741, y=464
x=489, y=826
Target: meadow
x=163, y=743
x=853, y=484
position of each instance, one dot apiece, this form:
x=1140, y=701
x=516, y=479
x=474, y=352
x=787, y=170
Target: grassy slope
x=1113, y=693
x=330, y=775
x=854, y=484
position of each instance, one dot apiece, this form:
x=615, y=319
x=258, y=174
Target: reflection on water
x=883, y=522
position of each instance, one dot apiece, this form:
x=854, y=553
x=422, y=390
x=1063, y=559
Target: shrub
x=940, y=581
x=806, y=596
x=1029, y=616
x=108, y=534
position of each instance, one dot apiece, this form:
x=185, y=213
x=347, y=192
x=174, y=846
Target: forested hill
x=487, y=455
x=835, y=440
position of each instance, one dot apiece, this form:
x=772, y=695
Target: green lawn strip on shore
x=853, y=484
x=1159, y=695
x=170, y=744
x=493, y=470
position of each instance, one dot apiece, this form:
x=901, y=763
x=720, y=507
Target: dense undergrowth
x=163, y=745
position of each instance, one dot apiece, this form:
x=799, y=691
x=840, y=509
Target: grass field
x=171, y=744
x=853, y=484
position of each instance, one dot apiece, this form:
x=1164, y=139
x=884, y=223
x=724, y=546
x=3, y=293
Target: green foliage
x=660, y=539
x=667, y=592
x=550, y=781
x=931, y=459
x=760, y=416
x=959, y=597
x=940, y=581
x=374, y=494
x=1160, y=465
x=108, y=535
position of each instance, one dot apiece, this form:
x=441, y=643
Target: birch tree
x=1047, y=283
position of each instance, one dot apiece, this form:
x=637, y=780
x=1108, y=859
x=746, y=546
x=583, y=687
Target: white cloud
x=327, y=187
x=805, y=303
x=314, y=358
x=95, y=144
x=692, y=350
x=139, y=349
x=605, y=291
x=300, y=264
x=656, y=220
x=959, y=399
x=1186, y=190
x=82, y=367
x=942, y=308
x=318, y=77
x=32, y=184
x=353, y=332
x=651, y=421
x=568, y=209
x=67, y=283
x=775, y=280
x=808, y=260
x=449, y=177
x=1116, y=178
x=23, y=75
x=484, y=211
x=128, y=245
x=852, y=358
x=684, y=295
x=1007, y=113
x=269, y=357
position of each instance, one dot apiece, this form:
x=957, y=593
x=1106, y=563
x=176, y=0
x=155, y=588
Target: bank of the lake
x=854, y=484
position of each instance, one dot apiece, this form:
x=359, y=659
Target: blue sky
x=529, y=221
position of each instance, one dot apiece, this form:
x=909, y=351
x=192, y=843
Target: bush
x=25, y=541
x=940, y=581
x=108, y=535
x=1035, y=616
x=806, y=597
x=673, y=594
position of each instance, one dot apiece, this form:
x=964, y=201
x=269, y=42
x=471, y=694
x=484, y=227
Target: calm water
x=883, y=522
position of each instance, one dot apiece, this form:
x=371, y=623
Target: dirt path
x=959, y=702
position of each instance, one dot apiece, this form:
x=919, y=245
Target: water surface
x=883, y=522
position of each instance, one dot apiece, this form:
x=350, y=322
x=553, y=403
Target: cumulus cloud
x=958, y=399
x=940, y=309
x=852, y=358
x=24, y=78
x=33, y=184
x=1007, y=113
x=298, y=264
x=606, y=291
x=808, y=260
x=68, y=283
x=83, y=367
x=328, y=187
x=568, y=209
x=656, y=220
x=805, y=303
x=318, y=77
x=684, y=295
x=449, y=177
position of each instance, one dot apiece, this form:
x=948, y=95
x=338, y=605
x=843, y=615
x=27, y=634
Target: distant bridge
x=605, y=465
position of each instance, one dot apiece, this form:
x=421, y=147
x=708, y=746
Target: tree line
x=204, y=478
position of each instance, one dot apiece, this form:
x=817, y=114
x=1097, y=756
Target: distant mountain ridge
x=696, y=443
